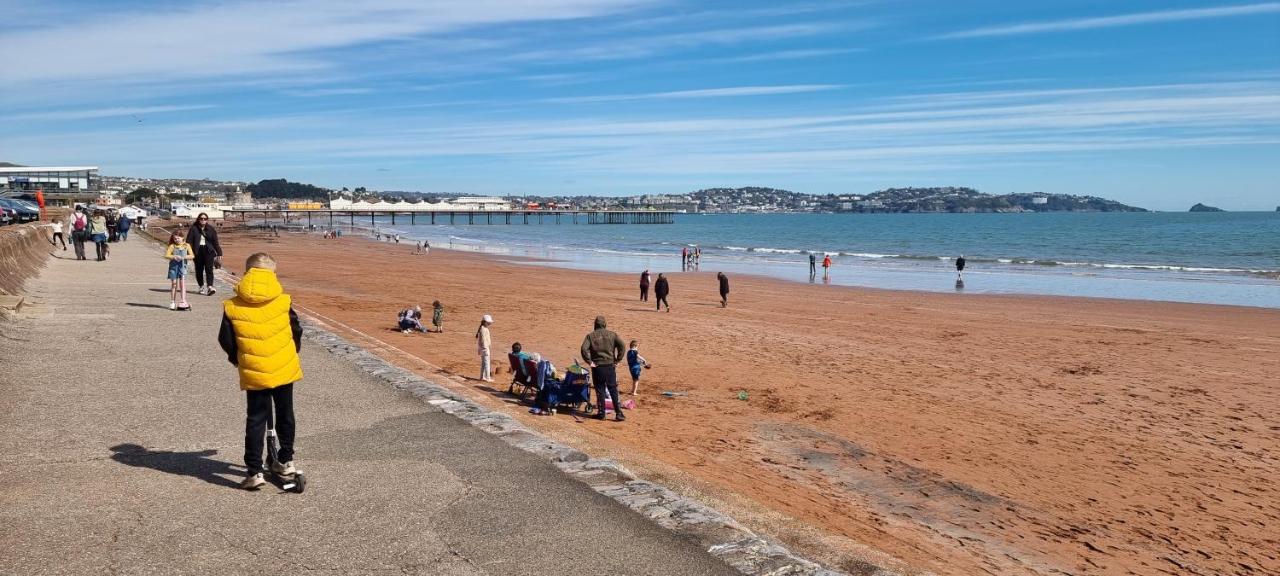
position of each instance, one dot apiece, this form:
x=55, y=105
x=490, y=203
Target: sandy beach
x=943, y=433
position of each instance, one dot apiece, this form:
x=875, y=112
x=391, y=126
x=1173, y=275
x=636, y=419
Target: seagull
x=135, y=117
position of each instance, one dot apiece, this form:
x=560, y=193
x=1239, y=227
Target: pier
x=456, y=217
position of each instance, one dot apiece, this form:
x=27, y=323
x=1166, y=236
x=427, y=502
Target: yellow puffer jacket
x=259, y=314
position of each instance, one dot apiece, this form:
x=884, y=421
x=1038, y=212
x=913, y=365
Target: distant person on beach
x=178, y=252
x=644, y=286
x=79, y=225
x=813, y=265
x=269, y=366
x=960, y=267
x=411, y=319
x=684, y=258
x=57, y=235
x=437, y=316
x=203, y=238
x=603, y=350
x=484, y=344
x=724, y=289
x=826, y=264
x=661, y=289
x=426, y=246
x=697, y=257
x=635, y=364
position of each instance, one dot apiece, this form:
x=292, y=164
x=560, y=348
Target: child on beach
x=269, y=365
x=635, y=362
x=437, y=316
x=178, y=253
x=410, y=319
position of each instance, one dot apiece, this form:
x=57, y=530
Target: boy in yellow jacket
x=261, y=336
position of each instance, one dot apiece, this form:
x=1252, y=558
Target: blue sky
x=1158, y=104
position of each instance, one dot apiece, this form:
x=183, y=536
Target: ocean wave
x=776, y=250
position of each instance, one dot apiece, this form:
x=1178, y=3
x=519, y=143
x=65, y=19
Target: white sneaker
x=253, y=482
x=212, y=291
x=173, y=305
x=202, y=291
x=285, y=469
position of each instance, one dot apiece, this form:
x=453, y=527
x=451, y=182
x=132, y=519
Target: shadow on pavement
x=141, y=305
x=193, y=464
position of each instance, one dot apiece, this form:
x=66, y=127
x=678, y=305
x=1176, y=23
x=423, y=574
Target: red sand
x=955, y=434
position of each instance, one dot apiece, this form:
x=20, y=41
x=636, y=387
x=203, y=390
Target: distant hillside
x=1205, y=208
x=951, y=199
x=284, y=189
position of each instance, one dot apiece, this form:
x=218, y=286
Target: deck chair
x=521, y=379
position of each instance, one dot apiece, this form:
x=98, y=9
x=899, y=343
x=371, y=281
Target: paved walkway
x=121, y=440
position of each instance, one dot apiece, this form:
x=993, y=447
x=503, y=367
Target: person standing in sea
x=661, y=289
x=484, y=344
x=826, y=264
x=724, y=289
x=960, y=267
x=603, y=349
x=203, y=239
x=813, y=265
x=684, y=259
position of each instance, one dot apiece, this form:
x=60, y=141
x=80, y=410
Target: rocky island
x=1205, y=208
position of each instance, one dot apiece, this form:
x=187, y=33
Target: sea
x=1228, y=258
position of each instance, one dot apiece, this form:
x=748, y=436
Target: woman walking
x=98, y=233
x=644, y=286
x=661, y=289
x=203, y=239
x=483, y=345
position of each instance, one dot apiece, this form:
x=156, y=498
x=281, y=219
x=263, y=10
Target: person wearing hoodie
x=661, y=289
x=261, y=336
x=603, y=350
x=644, y=286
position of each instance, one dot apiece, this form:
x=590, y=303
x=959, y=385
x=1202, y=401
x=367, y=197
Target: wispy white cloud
x=787, y=55
x=1115, y=21
x=103, y=112
x=323, y=92
x=703, y=93
x=643, y=46
x=242, y=37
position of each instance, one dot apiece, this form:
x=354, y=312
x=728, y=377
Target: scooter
x=295, y=483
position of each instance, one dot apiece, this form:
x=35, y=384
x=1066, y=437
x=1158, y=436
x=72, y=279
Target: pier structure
x=454, y=217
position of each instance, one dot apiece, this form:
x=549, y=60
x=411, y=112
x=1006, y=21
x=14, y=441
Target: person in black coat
x=203, y=239
x=661, y=289
x=644, y=286
x=724, y=289
x=960, y=266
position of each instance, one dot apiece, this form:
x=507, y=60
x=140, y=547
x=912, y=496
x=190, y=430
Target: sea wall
x=24, y=248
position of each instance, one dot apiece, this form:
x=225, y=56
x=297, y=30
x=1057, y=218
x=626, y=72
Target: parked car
x=24, y=214
x=7, y=216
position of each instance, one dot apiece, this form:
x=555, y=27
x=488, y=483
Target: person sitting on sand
x=411, y=319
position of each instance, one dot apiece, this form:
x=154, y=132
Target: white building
x=462, y=204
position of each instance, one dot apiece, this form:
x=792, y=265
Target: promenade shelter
x=62, y=185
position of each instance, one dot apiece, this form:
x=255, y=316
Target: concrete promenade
x=121, y=442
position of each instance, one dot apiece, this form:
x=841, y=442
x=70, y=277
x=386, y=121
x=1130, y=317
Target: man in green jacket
x=603, y=350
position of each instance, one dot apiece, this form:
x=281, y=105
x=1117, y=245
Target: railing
x=456, y=217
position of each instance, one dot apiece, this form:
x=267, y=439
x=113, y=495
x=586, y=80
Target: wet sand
x=945, y=433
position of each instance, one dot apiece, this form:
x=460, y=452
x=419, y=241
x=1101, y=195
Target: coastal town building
x=61, y=185
x=461, y=204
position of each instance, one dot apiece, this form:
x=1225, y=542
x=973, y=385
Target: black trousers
x=77, y=238
x=255, y=427
x=204, y=267
x=644, y=293
x=605, y=380
x=662, y=300
x=57, y=237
